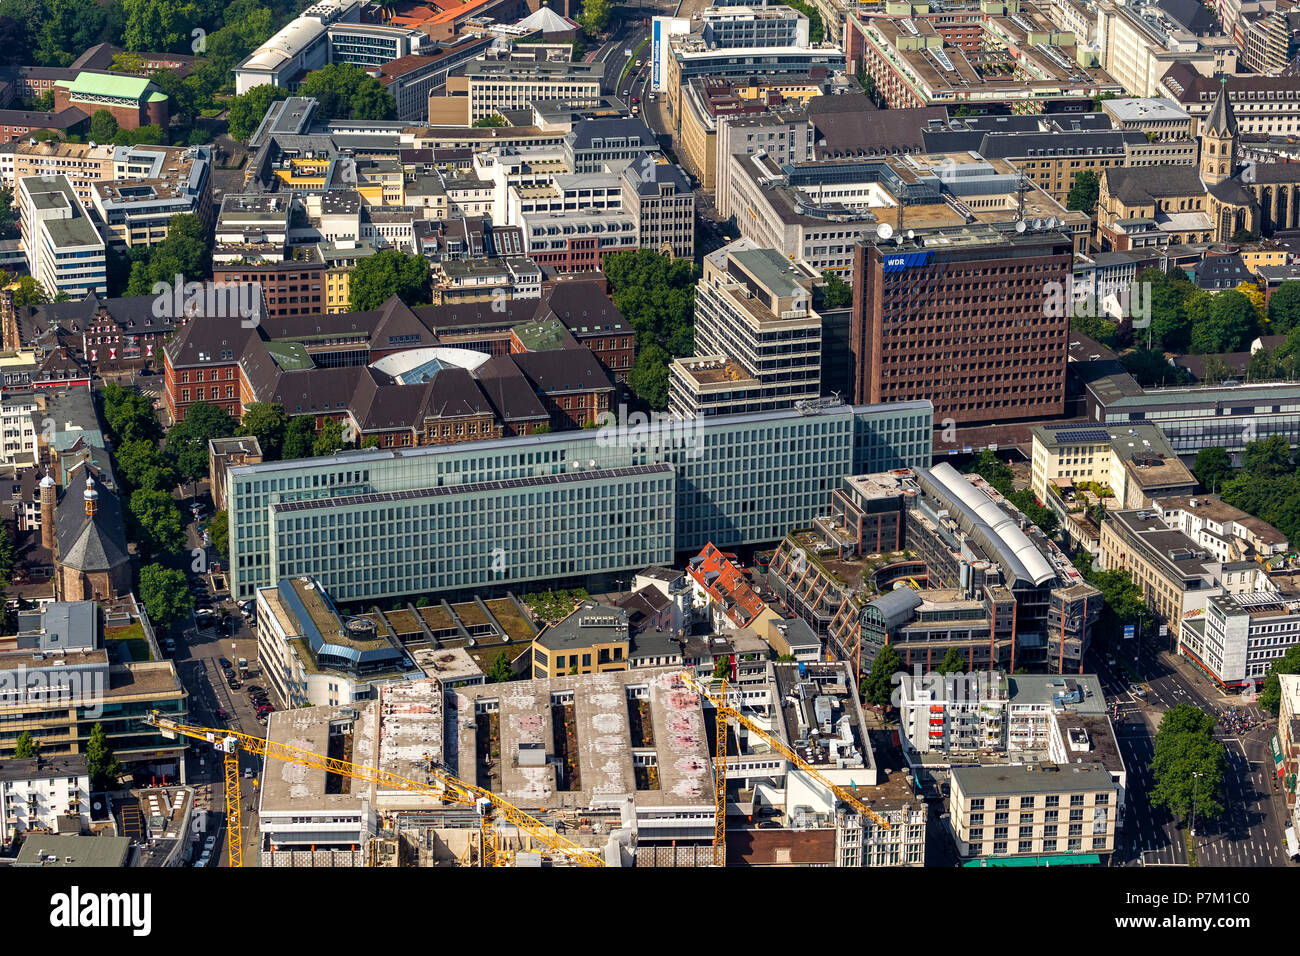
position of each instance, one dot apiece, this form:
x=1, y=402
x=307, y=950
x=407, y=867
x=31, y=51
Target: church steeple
x=1218, y=134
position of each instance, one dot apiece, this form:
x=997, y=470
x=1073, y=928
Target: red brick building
x=962, y=323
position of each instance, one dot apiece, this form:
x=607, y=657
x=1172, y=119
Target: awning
x=1276, y=748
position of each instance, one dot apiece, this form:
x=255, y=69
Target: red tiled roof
x=730, y=587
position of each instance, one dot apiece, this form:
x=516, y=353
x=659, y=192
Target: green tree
x=158, y=521
x=187, y=441
x=1267, y=458
x=165, y=594
x=1170, y=328
x=8, y=554
x=1045, y=518
x=103, y=126
x=8, y=219
x=1284, y=307
x=1151, y=368
x=1083, y=194
x=1270, y=697
x=878, y=685
x=265, y=421
x=128, y=414
x=993, y=470
x=500, y=672
x=648, y=378
x=1215, y=371
x=388, y=273
x=1188, y=764
x=143, y=466
x=656, y=294
x=25, y=747
x=954, y=662
x=329, y=440
x=344, y=91
x=299, y=437
x=594, y=16
x=370, y=441
x=1227, y=324
x=219, y=533
x=491, y=121
x=159, y=25
x=1212, y=468
x=1096, y=327
x=838, y=294
x=100, y=762
x=247, y=109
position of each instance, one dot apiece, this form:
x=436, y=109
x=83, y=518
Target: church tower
x=1218, y=134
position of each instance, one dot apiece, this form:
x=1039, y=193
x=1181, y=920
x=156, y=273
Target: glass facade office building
x=372, y=523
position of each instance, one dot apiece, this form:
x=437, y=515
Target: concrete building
x=62, y=674
x=1156, y=115
x=44, y=795
x=1063, y=814
x=496, y=86
x=816, y=211
x=758, y=342
x=961, y=316
x=913, y=63
x=593, y=639
x=742, y=502
x=1177, y=577
x=160, y=183
x=301, y=45
x=1139, y=46
x=1241, y=634
x=65, y=251
x=1135, y=463
x=995, y=592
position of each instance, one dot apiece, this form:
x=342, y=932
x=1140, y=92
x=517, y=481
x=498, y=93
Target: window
x=1026, y=803
x=1003, y=803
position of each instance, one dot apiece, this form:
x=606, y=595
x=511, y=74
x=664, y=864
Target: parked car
x=255, y=689
x=221, y=714
x=234, y=683
x=223, y=662
x=265, y=708
x=209, y=844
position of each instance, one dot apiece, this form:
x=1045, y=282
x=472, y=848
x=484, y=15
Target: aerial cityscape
x=569, y=433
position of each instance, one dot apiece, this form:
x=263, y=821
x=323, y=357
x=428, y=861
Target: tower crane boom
x=440, y=784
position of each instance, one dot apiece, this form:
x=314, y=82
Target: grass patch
x=133, y=639
x=627, y=67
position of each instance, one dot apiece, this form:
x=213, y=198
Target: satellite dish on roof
x=1020, y=225
x=911, y=233
x=884, y=230
x=1038, y=224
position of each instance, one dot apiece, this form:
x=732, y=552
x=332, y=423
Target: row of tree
x=656, y=294
x=342, y=91
x=1185, y=318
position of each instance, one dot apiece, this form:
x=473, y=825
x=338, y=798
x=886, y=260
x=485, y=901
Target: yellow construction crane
x=727, y=712
x=452, y=790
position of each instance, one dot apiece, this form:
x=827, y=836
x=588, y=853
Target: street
x=1250, y=832
x=198, y=655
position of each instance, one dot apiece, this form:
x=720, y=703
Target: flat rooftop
x=1015, y=779
x=447, y=664
x=601, y=724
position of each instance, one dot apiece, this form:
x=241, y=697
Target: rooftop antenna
x=884, y=231
x=1022, y=184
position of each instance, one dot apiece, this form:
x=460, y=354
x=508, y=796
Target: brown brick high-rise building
x=961, y=319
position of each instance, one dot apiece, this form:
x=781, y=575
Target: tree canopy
x=388, y=273
x=187, y=441
x=1084, y=193
x=165, y=594
x=1188, y=764
x=878, y=685
x=837, y=293
x=247, y=109
x=345, y=91
x=265, y=421
x=656, y=294
x=1270, y=697
x=1212, y=468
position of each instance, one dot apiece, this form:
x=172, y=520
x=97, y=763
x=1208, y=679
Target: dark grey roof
x=871, y=132
x=896, y=606
x=44, y=768
x=1145, y=184
x=582, y=134
x=1192, y=16
x=87, y=543
x=1221, y=119
x=563, y=370
x=509, y=391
